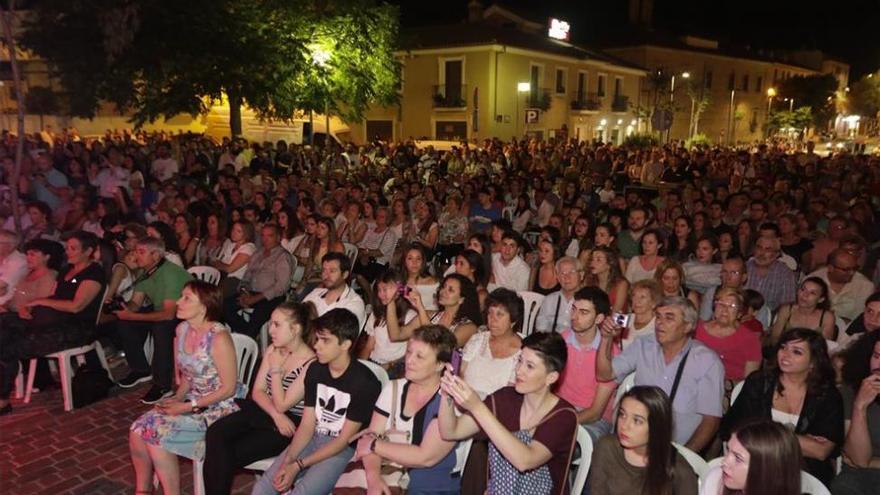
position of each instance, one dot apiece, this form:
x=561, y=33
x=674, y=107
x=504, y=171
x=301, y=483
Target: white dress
x=384, y=350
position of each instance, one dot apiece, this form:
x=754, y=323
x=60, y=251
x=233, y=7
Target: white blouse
x=485, y=373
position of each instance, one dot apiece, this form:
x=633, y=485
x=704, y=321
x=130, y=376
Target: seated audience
x=861, y=388
x=738, y=347
x=378, y=346
x=459, y=311
x=334, y=291
x=264, y=424
x=762, y=457
x=798, y=391
x=555, y=312
x=811, y=309
x=531, y=431
x=339, y=397
x=206, y=364
x=643, y=299
x=673, y=361
x=639, y=456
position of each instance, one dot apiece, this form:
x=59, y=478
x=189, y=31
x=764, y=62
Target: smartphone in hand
x=456, y=362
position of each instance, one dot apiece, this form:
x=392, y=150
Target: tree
x=42, y=101
x=864, y=97
x=816, y=92
x=6, y=19
x=700, y=101
x=798, y=120
x=157, y=58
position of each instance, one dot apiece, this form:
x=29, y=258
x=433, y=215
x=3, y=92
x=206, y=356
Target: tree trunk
x=234, y=113
x=16, y=80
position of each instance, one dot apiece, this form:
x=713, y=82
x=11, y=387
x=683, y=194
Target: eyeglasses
x=569, y=273
x=726, y=304
x=730, y=272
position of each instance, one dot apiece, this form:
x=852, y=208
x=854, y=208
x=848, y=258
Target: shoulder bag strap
x=556, y=314
x=678, y=376
x=394, y=399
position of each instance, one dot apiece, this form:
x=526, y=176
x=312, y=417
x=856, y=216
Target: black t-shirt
x=798, y=249
x=66, y=289
x=351, y=396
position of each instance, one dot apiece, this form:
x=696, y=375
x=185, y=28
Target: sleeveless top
x=788, y=320
x=536, y=287
x=286, y=381
x=200, y=372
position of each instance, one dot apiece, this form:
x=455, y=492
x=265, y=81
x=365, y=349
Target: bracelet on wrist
x=300, y=464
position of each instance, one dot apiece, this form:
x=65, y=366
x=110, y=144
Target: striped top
x=286, y=381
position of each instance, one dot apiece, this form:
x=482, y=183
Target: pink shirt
x=578, y=383
x=734, y=350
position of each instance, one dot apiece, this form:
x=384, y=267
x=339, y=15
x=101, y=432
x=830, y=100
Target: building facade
x=500, y=75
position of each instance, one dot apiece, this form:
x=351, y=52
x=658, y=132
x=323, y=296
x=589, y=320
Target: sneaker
x=134, y=378
x=155, y=394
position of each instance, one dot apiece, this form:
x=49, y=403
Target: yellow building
x=736, y=82
x=500, y=75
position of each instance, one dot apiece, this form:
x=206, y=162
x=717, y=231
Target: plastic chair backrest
x=101, y=305
x=377, y=370
x=462, y=451
x=246, y=350
x=205, y=274
x=812, y=486
x=585, y=442
x=531, y=307
x=624, y=386
x=698, y=464
x=351, y=251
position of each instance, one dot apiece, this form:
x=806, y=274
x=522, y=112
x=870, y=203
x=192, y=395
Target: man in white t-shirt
x=509, y=270
x=334, y=291
x=164, y=167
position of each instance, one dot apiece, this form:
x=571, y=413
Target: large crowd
x=444, y=321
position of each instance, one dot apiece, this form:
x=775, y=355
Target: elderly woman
x=403, y=431
x=643, y=299
x=737, y=345
x=207, y=368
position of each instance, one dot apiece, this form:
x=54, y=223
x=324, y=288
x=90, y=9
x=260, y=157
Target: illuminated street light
x=686, y=75
x=523, y=87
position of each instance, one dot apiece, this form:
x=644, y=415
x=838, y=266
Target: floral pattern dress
x=184, y=434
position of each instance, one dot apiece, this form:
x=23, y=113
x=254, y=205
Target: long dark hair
x=423, y=270
x=660, y=470
x=389, y=276
x=857, y=360
x=774, y=459
x=475, y=260
x=470, y=308
x=821, y=374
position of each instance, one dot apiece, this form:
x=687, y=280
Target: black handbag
x=90, y=385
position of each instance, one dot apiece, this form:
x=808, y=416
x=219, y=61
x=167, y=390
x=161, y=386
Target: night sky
x=845, y=29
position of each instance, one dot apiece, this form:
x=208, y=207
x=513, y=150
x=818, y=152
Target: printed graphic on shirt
x=331, y=409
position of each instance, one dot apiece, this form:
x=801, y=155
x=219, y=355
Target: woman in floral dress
x=207, y=368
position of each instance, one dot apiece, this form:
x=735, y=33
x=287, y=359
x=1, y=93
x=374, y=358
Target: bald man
x=849, y=288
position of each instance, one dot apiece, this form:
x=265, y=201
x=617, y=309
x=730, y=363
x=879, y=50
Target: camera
x=403, y=290
x=115, y=304
x=621, y=319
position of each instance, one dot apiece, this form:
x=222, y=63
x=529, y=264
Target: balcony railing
x=620, y=103
x=449, y=95
x=539, y=98
x=587, y=101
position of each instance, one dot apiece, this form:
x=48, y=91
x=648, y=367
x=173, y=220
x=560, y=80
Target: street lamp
x=771, y=93
x=521, y=87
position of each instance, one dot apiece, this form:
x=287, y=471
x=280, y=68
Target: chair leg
x=198, y=477
x=64, y=368
x=99, y=349
x=32, y=373
x=19, y=385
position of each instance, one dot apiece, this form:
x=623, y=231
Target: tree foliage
x=864, y=97
x=816, y=92
x=801, y=118
x=42, y=101
x=157, y=58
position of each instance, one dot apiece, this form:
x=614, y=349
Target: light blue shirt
x=54, y=178
x=548, y=311
x=699, y=391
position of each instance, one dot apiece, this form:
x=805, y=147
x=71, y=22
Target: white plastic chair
x=624, y=386
x=65, y=370
x=264, y=337
x=351, y=251
x=245, y=360
x=205, y=274
x=377, y=370
x=462, y=451
x=429, y=296
x=246, y=350
x=812, y=486
x=697, y=463
x=736, y=391
x=507, y=213
x=809, y=483
x=585, y=442
x=531, y=306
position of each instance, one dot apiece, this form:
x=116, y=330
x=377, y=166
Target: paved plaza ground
x=44, y=450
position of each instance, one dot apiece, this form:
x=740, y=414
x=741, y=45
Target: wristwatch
x=195, y=406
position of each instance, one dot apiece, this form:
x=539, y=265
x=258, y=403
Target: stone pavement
x=44, y=450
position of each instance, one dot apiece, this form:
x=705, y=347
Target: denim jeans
x=315, y=480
